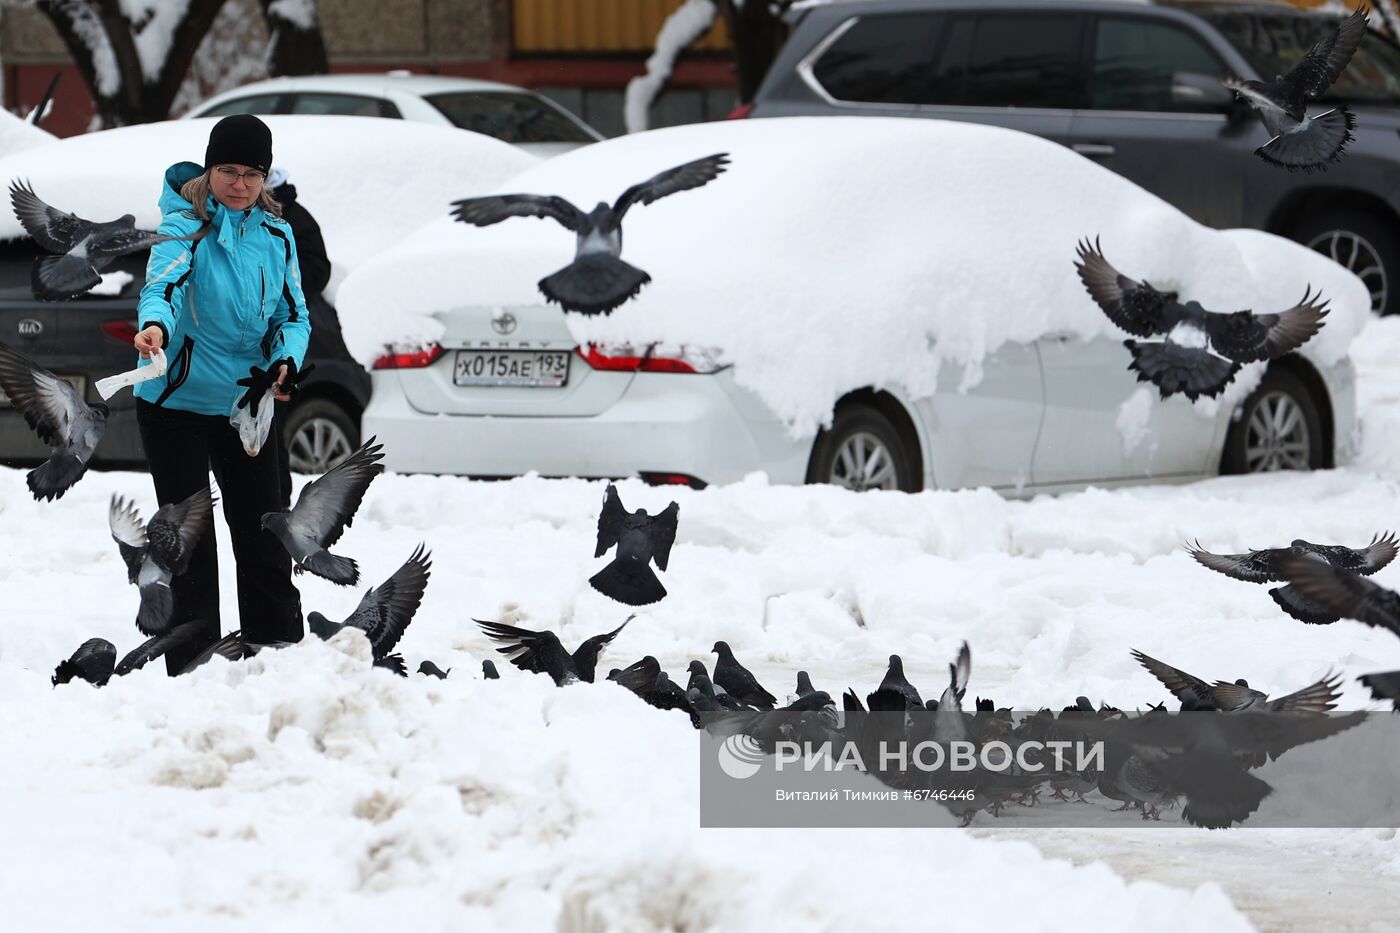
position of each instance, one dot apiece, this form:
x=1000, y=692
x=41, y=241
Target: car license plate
x=78, y=382
x=545, y=368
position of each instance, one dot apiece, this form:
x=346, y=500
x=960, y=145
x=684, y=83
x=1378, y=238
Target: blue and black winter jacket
x=227, y=301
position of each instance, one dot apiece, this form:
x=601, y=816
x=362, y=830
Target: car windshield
x=512, y=118
x=1275, y=43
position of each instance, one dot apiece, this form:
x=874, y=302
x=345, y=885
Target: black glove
x=257, y=382
x=292, y=381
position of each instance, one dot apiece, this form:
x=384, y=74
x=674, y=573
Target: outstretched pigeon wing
x=681, y=178
x=591, y=647
x=492, y=209
x=1345, y=594
x=1135, y=306
x=610, y=520
x=384, y=613
x=129, y=532
x=1367, y=560
x=1326, y=60
x=1320, y=697
x=55, y=230
x=1180, y=683
x=1250, y=338
x=1253, y=567
x=327, y=505
x=177, y=528
x=536, y=652
x=49, y=405
x=663, y=533
x=119, y=242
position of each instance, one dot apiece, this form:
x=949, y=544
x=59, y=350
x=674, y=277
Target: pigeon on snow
x=83, y=247
x=542, y=653
x=1300, y=142
x=56, y=412
x=738, y=681
x=1264, y=566
x=323, y=511
x=1202, y=350
x=430, y=669
x=385, y=611
x=597, y=280
x=93, y=662
x=158, y=551
x=640, y=539
x=488, y=670
x=895, y=680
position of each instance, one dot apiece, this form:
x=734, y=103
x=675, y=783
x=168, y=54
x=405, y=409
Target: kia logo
x=503, y=322
x=28, y=327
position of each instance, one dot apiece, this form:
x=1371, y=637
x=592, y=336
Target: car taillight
x=416, y=359
x=656, y=358
x=740, y=112
x=671, y=479
x=120, y=330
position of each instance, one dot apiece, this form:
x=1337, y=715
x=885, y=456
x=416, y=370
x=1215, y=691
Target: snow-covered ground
x=301, y=790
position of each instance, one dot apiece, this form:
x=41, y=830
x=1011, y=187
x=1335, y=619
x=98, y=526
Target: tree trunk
x=102, y=41
x=757, y=31
x=297, y=46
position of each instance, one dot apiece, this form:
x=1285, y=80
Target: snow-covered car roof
x=382, y=83
x=840, y=252
x=17, y=134
x=367, y=183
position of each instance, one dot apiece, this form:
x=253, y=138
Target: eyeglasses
x=231, y=175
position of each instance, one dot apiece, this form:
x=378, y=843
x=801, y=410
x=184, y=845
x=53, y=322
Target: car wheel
x=1278, y=428
x=862, y=450
x=1362, y=244
x=319, y=434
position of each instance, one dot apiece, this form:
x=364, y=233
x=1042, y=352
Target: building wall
x=581, y=52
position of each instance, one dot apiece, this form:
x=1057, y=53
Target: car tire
x=1363, y=243
x=862, y=450
x=1278, y=428
x=319, y=434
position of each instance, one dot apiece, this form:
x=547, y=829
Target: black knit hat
x=241, y=139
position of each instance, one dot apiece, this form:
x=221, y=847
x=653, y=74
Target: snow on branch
x=688, y=23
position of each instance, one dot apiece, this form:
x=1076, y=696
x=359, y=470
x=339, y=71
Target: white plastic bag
x=108, y=387
x=253, y=429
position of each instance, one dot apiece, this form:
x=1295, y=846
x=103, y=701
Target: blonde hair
x=197, y=192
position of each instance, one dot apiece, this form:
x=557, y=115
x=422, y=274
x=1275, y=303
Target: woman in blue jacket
x=222, y=306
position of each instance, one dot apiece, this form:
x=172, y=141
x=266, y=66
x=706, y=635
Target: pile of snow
x=840, y=252
x=368, y=182
x=17, y=134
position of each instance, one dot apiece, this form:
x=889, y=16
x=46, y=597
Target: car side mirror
x=1194, y=91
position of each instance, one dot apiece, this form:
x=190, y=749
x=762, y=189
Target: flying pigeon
x=384, y=612
x=93, y=662
x=430, y=669
x=1384, y=686
x=159, y=550
x=1263, y=566
x=323, y=511
x=542, y=653
x=597, y=281
x=1319, y=697
x=56, y=412
x=1341, y=592
x=1300, y=142
x=1203, y=350
x=640, y=539
x=737, y=681
x=83, y=247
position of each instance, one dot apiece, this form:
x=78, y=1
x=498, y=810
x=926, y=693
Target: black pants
x=181, y=447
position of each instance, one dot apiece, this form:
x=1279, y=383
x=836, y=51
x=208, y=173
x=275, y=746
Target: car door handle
x=1094, y=150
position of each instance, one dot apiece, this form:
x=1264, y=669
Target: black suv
x=1133, y=86
x=89, y=338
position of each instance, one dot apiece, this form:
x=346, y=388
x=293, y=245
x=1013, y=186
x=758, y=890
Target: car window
x=342, y=105
x=1135, y=59
x=257, y=103
x=1275, y=43
x=1010, y=60
x=881, y=59
x=510, y=117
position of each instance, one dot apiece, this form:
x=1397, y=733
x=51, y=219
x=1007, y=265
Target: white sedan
x=877, y=306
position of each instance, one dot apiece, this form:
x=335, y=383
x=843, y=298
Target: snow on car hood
x=367, y=182
x=840, y=252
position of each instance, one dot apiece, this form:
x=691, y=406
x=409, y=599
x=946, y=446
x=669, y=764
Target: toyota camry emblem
x=503, y=322
x=28, y=327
